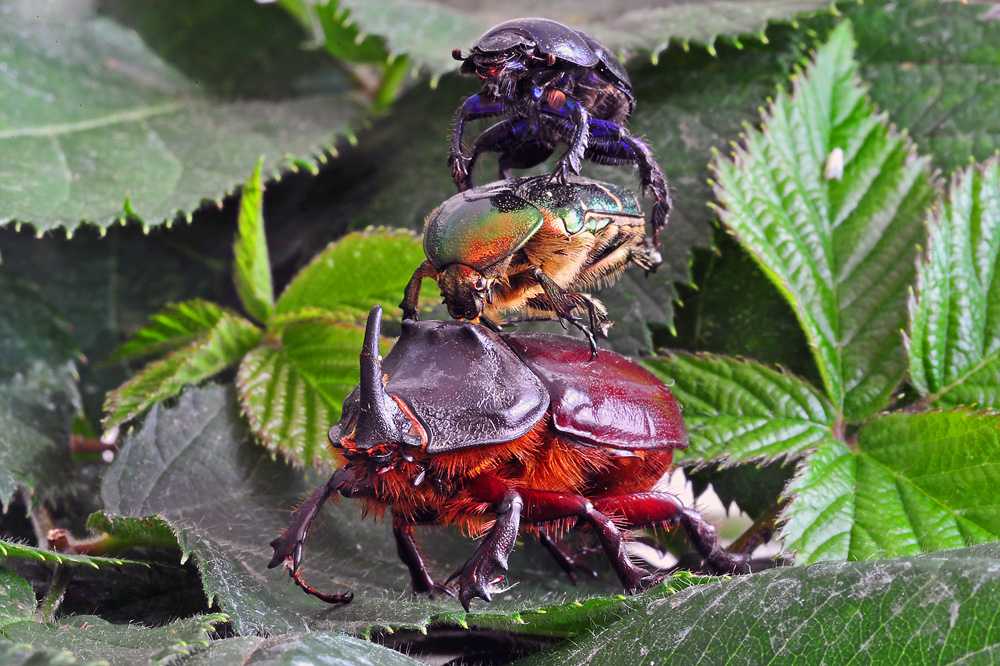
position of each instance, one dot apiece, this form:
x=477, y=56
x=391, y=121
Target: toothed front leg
x=476, y=575
x=473, y=108
x=571, y=161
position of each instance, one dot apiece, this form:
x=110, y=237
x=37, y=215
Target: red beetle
x=460, y=425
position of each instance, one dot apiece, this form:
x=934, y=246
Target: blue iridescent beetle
x=554, y=85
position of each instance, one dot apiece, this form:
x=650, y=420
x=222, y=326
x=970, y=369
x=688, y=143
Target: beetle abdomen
x=609, y=402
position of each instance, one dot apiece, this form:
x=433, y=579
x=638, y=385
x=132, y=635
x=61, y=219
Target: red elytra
x=459, y=425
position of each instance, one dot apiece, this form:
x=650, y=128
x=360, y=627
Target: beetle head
x=466, y=292
x=381, y=421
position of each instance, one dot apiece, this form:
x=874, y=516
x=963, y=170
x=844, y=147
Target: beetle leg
x=406, y=548
x=566, y=562
x=546, y=507
x=650, y=508
x=597, y=313
x=473, y=108
x=518, y=145
x=613, y=144
x=570, y=162
x=475, y=576
x=412, y=292
x=288, y=546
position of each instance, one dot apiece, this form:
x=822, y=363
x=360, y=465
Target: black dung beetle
x=554, y=84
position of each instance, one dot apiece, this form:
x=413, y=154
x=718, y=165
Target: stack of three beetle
x=461, y=423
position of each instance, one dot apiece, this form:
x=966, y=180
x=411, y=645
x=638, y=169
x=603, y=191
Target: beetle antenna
x=457, y=54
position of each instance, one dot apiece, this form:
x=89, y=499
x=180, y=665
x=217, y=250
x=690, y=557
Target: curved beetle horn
x=380, y=420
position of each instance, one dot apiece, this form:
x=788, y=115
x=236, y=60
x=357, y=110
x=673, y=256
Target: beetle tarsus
x=477, y=574
x=344, y=598
x=569, y=563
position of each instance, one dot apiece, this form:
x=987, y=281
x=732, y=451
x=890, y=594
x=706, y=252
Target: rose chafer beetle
x=529, y=245
x=491, y=432
x=553, y=84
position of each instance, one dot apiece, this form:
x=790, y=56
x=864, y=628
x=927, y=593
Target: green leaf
x=36, y=412
x=176, y=326
x=11, y=549
x=954, y=339
x=355, y=273
x=252, y=266
x=930, y=609
x=292, y=392
x=14, y=654
x=95, y=126
x=320, y=647
x=17, y=598
x=225, y=344
x=408, y=26
x=932, y=68
x=914, y=482
x=841, y=251
x=738, y=411
x=129, y=533
x=90, y=637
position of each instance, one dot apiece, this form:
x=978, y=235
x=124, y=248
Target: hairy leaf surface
x=738, y=411
x=954, y=338
x=913, y=483
x=841, y=249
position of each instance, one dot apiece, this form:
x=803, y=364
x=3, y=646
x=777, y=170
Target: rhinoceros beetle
x=520, y=244
x=458, y=424
x=553, y=84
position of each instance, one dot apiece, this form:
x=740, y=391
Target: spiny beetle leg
x=411, y=295
x=546, y=507
x=569, y=563
x=420, y=578
x=473, y=108
x=652, y=508
x=518, y=145
x=288, y=546
x=476, y=575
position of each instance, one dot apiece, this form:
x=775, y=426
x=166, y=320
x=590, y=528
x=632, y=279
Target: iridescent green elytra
x=485, y=225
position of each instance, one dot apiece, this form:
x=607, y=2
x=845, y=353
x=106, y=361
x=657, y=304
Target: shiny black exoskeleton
x=554, y=84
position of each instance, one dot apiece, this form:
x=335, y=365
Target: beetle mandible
x=553, y=84
x=520, y=244
x=458, y=422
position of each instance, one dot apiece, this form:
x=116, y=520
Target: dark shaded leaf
x=97, y=127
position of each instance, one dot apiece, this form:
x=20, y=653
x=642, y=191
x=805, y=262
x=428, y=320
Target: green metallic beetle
x=528, y=245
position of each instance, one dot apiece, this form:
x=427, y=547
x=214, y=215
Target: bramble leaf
x=176, y=326
x=647, y=27
x=95, y=126
x=738, y=411
x=292, y=391
x=91, y=637
x=954, y=337
x=224, y=345
x=936, y=608
x=914, y=482
x=355, y=273
x=252, y=267
x=839, y=247
x=17, y=598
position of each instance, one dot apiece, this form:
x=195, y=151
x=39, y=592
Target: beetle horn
x=380, y=420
